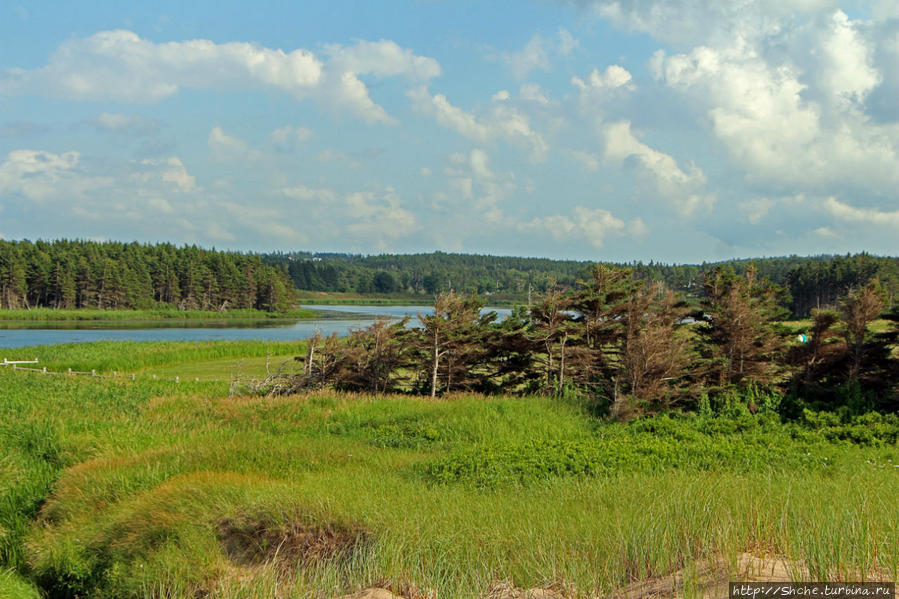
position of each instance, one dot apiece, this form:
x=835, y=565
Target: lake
x=333, y=319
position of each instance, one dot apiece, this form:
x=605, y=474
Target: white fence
x=16, y=365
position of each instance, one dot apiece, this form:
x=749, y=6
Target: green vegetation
x=177, y=356
x=627, y=347
x=112, y=275
x=64, y=315
x=122, y=489
x=817, y=282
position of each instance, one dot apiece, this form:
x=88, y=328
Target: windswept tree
x=656, y=351
x=858, y=310
x=738, y=326
x=551, y=329
x=599, y=304
x=844, y=362
x=376, y=357
x=451, y=341
x=511, y=354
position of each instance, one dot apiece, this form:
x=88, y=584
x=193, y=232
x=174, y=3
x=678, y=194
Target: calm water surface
x=333, y=319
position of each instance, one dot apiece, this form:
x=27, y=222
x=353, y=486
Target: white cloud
x=40, y=176
x=372, y=218
x=756, y=209
x=637, y=228
x=534, y=56
x=683, y=22
x=500, y=96
x=865, y=216
x=383, y=58
x=567, y=42
x=683, y=187
x=471, y=179
x=65, y=192
x=121, y=66
x=287, y=138
x=501, y=123
x=124, y=123
x=615, y=76
x=592, y=225
x=160, y=205
x=846, y=71
x=225, y=147
x=537, y=52
x=478, y=160
x=171, y=171
x=590, y=161
x=532, y=92
x=785, y=92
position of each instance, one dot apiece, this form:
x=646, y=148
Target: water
x=333, y=319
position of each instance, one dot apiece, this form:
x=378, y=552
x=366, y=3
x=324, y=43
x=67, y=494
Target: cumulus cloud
x=171, y=171
x=501, y=122
x=592, y=225
x=847, y=73
x=600, y=90
x=224, y=147
x=866, y=216
x=759, y=113
x=537, y=53
x=534, y=56
x=287, y=138
x=38, y=176
x=128, y=124
x=756, y=209
x=471, y=179
x=67, y=192
x=787, y=88
x=121, y=66
x=615, y=76
x=532, y=92
x=682, y=186
x=682, y=22
x=567, y=42
x=372, y=218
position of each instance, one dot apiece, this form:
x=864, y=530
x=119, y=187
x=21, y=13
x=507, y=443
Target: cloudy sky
x=674, y=130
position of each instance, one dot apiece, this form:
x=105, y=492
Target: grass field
x=112, y=488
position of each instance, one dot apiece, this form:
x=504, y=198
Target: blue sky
x=672, y=130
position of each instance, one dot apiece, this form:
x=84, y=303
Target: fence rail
x=15, y=362
x=15, y=365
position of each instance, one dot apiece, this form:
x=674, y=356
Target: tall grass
x=130, y=356
x=150, y=489
x=59, y=314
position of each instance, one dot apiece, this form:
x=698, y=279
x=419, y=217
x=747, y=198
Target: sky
x=621, y=130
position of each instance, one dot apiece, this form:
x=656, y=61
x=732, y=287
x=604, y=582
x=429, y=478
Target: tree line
x=634, y=346
x=88, y=274
x=810, y=282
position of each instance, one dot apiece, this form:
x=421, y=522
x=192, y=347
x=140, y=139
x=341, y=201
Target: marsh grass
x=151, y=489
x=133, y=356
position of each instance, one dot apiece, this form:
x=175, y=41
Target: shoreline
x=22, y=315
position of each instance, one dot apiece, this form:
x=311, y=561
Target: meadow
x=150, y=488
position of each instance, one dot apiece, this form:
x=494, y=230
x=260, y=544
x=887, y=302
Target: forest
x=810, y=282
x=632, y=346
x=112, y=275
